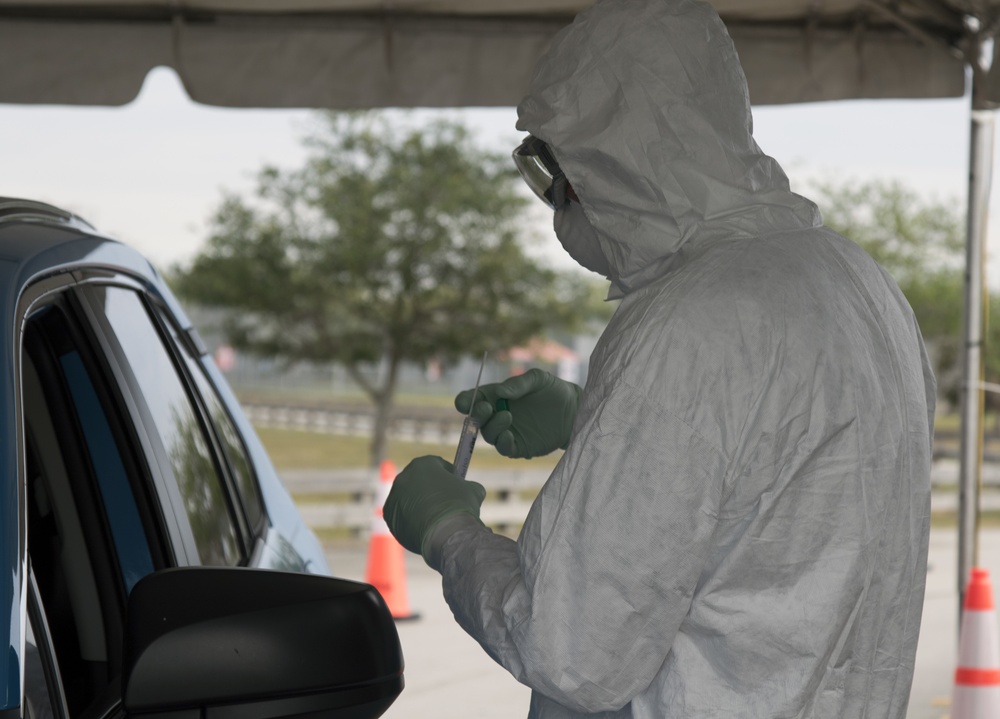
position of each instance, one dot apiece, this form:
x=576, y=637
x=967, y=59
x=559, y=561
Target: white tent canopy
x=380, y=53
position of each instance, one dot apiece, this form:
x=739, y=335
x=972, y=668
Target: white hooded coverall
x=739, y=525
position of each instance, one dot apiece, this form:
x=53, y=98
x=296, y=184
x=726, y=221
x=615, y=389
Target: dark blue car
x=153, y=563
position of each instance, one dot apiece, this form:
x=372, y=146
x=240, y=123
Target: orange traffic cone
x=386, y=557
x=977, y=679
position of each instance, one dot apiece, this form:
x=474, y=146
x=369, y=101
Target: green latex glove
x=422, y=495
x=525, y=416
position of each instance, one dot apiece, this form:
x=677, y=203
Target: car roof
x=39, y=240
x=14, y=208
x=34, y=235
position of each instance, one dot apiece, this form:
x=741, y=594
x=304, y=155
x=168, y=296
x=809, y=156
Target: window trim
x=30, y=298
x=46, y=650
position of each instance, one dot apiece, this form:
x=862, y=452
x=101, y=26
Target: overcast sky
x=150, y=173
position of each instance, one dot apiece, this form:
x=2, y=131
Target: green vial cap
x=502, y=405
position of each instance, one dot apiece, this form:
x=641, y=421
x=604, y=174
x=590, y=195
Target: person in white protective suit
x=739, y=524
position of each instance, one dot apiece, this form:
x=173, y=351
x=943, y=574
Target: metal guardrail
x=431, y=428
x=508, y=499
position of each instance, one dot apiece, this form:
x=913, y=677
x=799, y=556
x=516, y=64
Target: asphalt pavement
x=449, y=676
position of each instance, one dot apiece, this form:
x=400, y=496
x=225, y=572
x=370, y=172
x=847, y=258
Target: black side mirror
x=208, y=643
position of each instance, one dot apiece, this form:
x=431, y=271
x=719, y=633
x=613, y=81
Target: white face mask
x=579, y=238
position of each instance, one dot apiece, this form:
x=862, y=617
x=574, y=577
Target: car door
x=130, y=468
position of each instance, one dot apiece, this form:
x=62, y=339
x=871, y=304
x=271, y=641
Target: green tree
x=907, y=234
x=921, y=243
x=387, y=247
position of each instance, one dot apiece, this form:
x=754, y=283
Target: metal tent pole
x=980, y=174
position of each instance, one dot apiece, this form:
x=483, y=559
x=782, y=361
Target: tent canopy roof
x=379, y=53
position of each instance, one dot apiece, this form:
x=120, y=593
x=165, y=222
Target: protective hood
x=645, y=106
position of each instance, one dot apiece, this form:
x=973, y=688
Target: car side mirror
x=224, y=643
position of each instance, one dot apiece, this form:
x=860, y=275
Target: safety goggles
x=540, y=171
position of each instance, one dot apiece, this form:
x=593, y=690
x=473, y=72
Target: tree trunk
x=384, y=401
x=383, y=398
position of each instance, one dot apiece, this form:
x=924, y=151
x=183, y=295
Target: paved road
x=448, y=676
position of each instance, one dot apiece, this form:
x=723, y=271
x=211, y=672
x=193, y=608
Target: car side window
x=228, y=436
x=236, y=453
x=229, y=440
x=178, y=425
x=88, y=542
x=134, y=556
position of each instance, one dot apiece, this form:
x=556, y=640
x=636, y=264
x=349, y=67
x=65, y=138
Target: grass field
x=949, y=519
x=296, y=449
x=324, y=396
